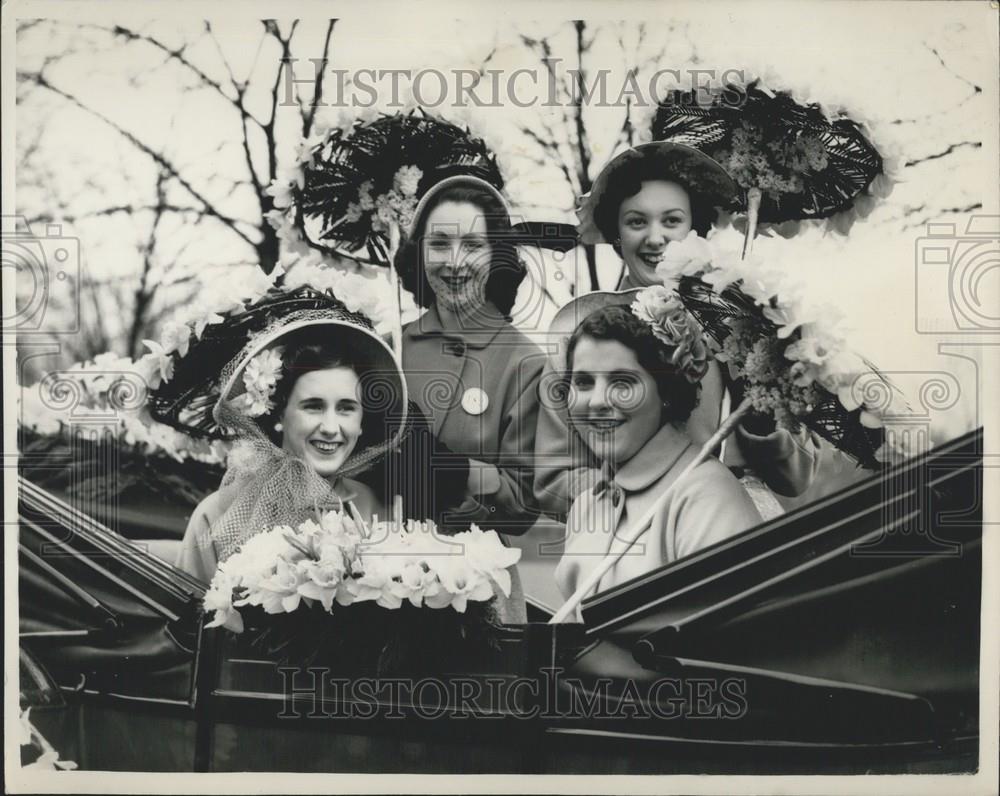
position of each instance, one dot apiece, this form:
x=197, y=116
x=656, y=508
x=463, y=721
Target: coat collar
x=654, y=460
x=429, y=325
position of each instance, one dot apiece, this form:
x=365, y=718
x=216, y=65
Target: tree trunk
x=268, y=249
x=591, y=254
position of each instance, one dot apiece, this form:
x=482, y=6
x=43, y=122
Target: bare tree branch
x=158, y=158
x=945, y=153
x=130, y=209
x=947, y=211
x=309, y=115
x=975, y=89
x=238, y=86
x=144, y=293
x=552, y=148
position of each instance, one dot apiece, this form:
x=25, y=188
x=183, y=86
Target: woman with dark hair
x=633, y=379
x=642, y=202
x=309, y=401
x=468, y=368
x=483, y=283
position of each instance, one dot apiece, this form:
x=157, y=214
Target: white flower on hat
x=157, y=366
x=175, y=337
x=282, y=193
x=260, y=378
x=407, y=180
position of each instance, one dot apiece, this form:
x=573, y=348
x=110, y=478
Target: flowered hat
x=207, y=397
x=661, y=309
x=692, y=166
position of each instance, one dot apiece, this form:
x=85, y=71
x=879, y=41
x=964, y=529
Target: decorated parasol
x=358, y=188
x=795, y=161
x=361, y=185
x=796, y=374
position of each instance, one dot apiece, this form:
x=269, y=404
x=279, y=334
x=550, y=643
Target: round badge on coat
x=475, y=401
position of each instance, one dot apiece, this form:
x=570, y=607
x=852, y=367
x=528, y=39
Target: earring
x=278, y=427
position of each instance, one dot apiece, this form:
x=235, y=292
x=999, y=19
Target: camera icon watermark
x=46, y=273
x=958, y=278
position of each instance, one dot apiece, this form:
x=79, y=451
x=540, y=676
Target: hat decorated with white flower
x=248, y=384
x=691, y=166
x=226, y=381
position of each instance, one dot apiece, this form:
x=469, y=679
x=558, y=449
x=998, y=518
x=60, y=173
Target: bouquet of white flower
x=331, y=583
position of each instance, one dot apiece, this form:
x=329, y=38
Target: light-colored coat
x=709, y=505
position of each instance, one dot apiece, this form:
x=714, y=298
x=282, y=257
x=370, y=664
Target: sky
x=915, y=64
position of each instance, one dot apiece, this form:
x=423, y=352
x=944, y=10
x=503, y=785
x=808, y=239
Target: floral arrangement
x=673, y=326
x=260, y=378
x=335, y=560
x=322, y=574
x=363, y=289
x=395, y=206
x=775, y=166
x=788, y=352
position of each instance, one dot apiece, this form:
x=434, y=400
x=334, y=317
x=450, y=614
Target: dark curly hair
x=678, y=396
x=507, y=271
x=306, y=351
x=626, y=179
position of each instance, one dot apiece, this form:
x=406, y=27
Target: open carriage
x=842, y=637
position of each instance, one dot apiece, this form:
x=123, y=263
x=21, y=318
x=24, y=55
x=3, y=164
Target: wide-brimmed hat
x=203, y=395
x=383, y=385
x=691, y=166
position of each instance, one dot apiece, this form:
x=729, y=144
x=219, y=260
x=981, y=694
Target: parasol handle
x=641, y=525
x=397, y=295
x=397, y=339
x=753, y=210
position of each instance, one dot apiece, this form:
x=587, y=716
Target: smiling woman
x=313, y=400
x=634, y=375
x=322, y=417
x=473, y=374
x=648, y=202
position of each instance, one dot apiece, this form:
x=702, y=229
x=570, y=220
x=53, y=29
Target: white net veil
x=265, y=485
